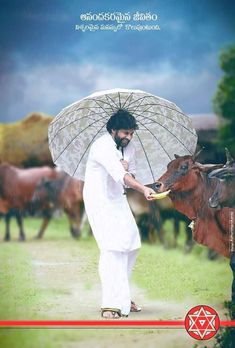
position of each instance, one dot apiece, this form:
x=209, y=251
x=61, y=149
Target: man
x=111, y=167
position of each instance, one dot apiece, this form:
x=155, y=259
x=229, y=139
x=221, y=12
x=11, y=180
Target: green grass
x=171, y=275
x=18, y=297
x=17, y=285
x=167, y=275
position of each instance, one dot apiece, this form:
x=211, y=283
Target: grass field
x=166, y=275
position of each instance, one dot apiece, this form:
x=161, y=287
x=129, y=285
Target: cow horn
x=176, y=156
x=228, y=157
x=206, y=168
x=195, y=156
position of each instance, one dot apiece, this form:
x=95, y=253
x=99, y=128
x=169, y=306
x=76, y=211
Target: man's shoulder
x=103, y=141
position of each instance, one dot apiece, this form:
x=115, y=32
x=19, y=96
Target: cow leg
x=75, y=214
x=144, y=227
x=153, y=222
x=20, y=225
x=189, y=239
x=161, y=233
x=74, y=223
x=157, y=222
x=84, y=221
x=7, y=222
x=74, y=227
x=151, y=234
x=176, y=224
x=44, y=225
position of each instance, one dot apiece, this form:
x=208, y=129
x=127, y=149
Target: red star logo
x=202, y=322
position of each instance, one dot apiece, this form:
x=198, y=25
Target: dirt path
x=69, y=281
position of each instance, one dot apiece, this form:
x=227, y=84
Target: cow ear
x=176, y=156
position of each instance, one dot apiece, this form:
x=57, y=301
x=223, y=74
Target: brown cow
x=64, y=193
x=190, y=190
x=16, y=190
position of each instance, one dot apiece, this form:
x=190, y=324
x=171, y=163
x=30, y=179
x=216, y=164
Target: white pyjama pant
x=115, y=270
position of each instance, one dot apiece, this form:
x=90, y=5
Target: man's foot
x=135, y=307
x=110, y=313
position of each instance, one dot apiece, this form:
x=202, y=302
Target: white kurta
x=108, y=211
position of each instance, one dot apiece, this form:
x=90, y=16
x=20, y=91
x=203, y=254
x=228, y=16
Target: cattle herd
x=43, y=191
x=202, y=193
x=39, y=190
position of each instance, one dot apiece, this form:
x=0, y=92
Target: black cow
x=224, y=196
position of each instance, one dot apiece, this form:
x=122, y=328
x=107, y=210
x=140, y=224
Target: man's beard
x=121, y=142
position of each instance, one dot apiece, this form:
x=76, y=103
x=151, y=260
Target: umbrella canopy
x=164, y=130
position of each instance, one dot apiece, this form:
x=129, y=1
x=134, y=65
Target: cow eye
x=184, y=167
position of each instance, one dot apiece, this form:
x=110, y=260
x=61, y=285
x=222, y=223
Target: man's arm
x=136, y=185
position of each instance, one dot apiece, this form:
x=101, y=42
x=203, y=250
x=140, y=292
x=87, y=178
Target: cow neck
x=191, y=203
x=207, y=229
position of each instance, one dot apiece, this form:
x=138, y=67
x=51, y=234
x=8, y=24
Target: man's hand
x=125, y=164
x=147, y=193
x=136, y=185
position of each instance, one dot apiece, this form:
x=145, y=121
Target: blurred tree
x=224, y=99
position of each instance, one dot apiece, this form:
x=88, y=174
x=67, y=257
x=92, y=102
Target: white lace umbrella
x=164, y=130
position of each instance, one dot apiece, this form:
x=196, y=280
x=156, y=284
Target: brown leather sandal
x=110, y=313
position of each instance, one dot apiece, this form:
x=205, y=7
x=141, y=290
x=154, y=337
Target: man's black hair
x=122, y=119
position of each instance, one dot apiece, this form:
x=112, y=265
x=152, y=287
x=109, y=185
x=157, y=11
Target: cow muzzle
x=159, y=187
x=160, y=190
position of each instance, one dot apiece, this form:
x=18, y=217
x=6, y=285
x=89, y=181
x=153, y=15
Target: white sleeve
x=109, y=160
